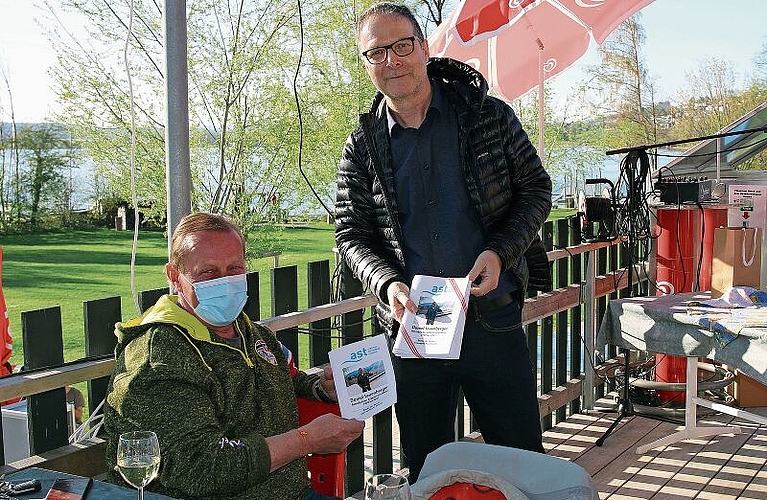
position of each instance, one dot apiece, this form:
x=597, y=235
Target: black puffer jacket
x=506, y=183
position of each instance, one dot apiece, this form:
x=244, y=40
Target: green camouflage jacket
x=211, y=405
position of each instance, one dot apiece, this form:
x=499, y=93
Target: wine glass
x=138, y=458
x=387, y=487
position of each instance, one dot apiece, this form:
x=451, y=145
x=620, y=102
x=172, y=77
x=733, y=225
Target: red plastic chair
x=327, y=471
x=6, y=342
x=467, y=491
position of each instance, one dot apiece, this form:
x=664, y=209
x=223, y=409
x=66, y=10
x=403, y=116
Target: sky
x=680, y=34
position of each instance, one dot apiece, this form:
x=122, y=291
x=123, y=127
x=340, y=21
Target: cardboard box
x=748, y=393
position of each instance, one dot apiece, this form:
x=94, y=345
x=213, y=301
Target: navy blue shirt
x=443, y=232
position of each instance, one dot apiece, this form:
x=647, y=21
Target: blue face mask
x=220, y=300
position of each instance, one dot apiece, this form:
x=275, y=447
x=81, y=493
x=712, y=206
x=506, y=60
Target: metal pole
x=540, y=100
x=178, y=177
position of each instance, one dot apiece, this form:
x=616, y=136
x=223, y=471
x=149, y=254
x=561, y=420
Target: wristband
x=304, y=444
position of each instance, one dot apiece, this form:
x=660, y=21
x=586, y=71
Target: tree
x=706, y=103
x=47, y=153
x=625, y=91
x=4, y=142
x=712, y=100
x=237, y=63
x=570, y=153
x=760, y=63
x=13, y=145
x=433, y=11
x=245, y=88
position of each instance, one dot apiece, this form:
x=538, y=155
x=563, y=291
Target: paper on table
x=364, y=377
x=436, y=329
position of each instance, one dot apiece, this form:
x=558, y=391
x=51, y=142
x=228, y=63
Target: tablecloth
x=663, y=325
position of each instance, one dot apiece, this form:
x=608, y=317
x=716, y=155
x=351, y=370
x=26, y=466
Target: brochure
x=364, y=377
x=436, y=328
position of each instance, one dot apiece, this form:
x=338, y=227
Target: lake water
x=609, y=169
x=81, y=178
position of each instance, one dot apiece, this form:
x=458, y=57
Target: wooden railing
x=555, y=324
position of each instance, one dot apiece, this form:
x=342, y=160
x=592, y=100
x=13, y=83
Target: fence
x=558, y=325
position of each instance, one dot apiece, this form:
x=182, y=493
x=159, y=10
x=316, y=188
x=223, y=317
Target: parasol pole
x=540, y=99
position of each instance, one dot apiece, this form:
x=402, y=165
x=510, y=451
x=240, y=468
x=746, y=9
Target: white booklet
x=436, y=328
x=364, y=377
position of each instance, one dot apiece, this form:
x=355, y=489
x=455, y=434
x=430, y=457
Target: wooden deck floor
x=727, y=466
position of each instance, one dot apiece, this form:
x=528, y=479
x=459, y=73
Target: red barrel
x=678, y=256
x=675, y=258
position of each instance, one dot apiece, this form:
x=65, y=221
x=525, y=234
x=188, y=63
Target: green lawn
x=67, y=268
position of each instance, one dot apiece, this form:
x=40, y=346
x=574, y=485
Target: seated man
x=214, y=386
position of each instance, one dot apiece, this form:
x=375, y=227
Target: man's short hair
x=194, y=223
x=389, y=9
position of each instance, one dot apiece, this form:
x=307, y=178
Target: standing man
x=363, y=380
x=431, y=313
x=440, y=179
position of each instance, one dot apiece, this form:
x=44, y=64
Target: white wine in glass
x=138, y=458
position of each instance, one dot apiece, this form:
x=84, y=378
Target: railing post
x=44, y=347
x=99, y=318
x=576, y=315
x=148, y=298
x=562, y=323
x=253, y=304
x=318, y=274
x=285, y=300
x=589, y=328
x=547, y=337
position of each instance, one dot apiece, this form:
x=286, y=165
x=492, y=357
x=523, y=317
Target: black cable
x=633, y=217
x=696, y=286
x=298, y=110
x=700, y=155
x=680, y=253
x=645, y=147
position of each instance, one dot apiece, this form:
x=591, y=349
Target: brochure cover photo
x=364, y=377
x=436, y=328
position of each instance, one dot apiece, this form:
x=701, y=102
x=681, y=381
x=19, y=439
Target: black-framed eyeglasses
x=402, y=47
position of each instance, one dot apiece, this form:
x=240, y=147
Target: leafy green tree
x=47, y=153
x=95, y=102
x=237, y=63
x=249, y=143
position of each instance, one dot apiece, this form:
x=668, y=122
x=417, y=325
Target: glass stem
x=141, y=493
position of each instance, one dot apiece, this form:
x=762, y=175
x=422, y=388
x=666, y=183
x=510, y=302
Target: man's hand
x=398, y=294
x=488, y=267
x=327, y=383
x=330, y=433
